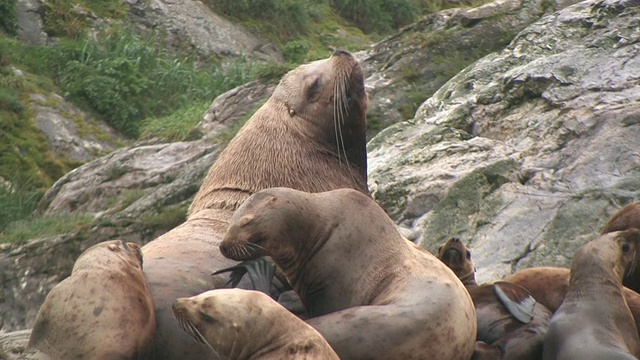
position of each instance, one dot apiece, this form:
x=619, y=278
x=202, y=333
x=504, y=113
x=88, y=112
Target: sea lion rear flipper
x=516, y=299
x=261, y=272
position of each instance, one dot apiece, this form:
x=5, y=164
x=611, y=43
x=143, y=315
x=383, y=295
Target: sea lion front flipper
x=261, y=272
x=516, y=299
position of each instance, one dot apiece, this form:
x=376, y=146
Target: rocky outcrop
x=191, y=25
x=408, y=67
x=526, y=153
x=71, y=132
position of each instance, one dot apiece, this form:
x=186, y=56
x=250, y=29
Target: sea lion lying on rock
x=369, y=291
x=83, y=317
x=245, y=324
x=511, y=324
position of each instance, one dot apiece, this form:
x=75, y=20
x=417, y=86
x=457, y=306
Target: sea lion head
x=108, y=252
x=617, y=251
x=458, y=258
x=331, y=88
x=219, y=318
x=261, y=223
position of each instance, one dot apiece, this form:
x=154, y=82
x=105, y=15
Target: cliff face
x=524, y=154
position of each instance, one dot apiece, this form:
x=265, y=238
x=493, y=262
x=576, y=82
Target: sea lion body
x=81, y=317
x=594, y=321
x=247, y=325
x=511, y=324
x=309, y=135
x=369, y=291
x=549, y=285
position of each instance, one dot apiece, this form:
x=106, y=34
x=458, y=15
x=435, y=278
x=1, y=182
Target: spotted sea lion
x=369, y=291
x=81, y=317
x=594, y=321
x=310, y=135
x=246, y=324
x=627, y=218
x=511, y=324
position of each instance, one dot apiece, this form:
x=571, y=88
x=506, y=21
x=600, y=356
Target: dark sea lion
x=246, y=324
x=81, y=317
x=594, y=321
x=310, y=135
x=627, y=218
x=511, y=324
x=369, y=291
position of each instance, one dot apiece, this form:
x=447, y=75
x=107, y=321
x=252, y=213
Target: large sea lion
x=82, y=316
x=369, y=291
x=627, y=218
x=246, y=324
x=594, y=321
x=310, y=135
x=511, y=324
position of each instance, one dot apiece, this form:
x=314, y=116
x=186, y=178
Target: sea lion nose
x=340, y=52
x=224, y=250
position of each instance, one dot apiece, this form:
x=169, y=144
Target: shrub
x=9, y=16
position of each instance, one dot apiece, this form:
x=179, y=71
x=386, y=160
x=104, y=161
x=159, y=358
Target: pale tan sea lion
x=594, y=321
x=309, y=135
x=246, y=325
x=627, y=218
x=82, y=316
x=511, y=324
x=369, y=291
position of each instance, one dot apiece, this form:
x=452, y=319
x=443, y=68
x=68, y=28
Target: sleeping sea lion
x=369, y=291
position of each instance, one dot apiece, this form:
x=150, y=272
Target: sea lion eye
x=206, y=317
x=469, y=255
x=626, y=248
x=314, y=88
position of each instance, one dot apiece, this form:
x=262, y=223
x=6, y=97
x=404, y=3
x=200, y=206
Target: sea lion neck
x=592, y=269
x=254, y=161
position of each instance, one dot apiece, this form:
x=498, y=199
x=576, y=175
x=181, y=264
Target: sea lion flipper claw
x=516, y=299
x=261, y=272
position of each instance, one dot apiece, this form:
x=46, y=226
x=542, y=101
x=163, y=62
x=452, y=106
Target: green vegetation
x=9, y=16
x=144, y=91
x=16, y=202
x=36, y=227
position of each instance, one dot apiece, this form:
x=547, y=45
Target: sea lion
x=549, y=285
x=511, y=324
x=594, y=321
x=627, y=218
x=247, y=324
x=369, y=291
x=81, y=317
x=310, y=135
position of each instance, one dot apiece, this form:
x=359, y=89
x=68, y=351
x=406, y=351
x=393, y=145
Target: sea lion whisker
x=256, y=246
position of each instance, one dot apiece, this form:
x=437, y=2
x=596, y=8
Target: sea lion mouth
x=186, y=324
x=244, y=251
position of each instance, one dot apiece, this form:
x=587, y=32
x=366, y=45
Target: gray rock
x=526, y=153
x=191, y=25
x=407, y=68
x=70, y=131
x=30, y=24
